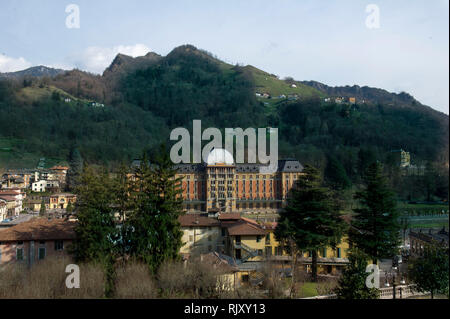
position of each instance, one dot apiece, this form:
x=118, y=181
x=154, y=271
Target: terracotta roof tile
x=244, y=227
x=226, y=216
x=40, y=229
x=191, y=220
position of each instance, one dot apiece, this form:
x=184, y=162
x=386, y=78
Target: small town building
x=62, y=200
x=35, y=240
x=3, y=210
x=420, y=241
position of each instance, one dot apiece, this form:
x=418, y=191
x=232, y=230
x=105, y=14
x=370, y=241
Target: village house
x=45, y=185
x=62, y=200
x=201, y=234
x=35, y=240
x=226, y=267
x=20, y=178
x=14, y=200
x=3, y=210
x=60, y=174
x=39, y=186
x=34, y=202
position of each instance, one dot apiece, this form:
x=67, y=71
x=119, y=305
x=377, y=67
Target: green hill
x=147, y=97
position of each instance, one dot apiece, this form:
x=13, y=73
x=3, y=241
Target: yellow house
x=329, y=260
x=60, y=201
x=201, y=234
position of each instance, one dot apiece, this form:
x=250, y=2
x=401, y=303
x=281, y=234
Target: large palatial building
x=219, y=184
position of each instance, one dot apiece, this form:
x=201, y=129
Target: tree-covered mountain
x=35, y=71
x=136, y=102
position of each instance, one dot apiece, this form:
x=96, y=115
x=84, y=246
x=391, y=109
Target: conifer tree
x=311, y=218
x=375, y=223
x=154, y=232
x=42, y=209
x=352, y=283
x=75, y=169
x=96, y=229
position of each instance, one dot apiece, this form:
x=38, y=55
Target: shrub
x=133, y=281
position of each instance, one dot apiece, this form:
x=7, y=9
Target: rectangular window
x=258, y=239
x=191, y=238
x=59, y=245
x=223, y=232
x=338, y=253
x=19, y=254
x=324, y=253
x=41, y=253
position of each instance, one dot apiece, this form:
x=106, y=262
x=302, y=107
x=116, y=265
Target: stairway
x=250, y=252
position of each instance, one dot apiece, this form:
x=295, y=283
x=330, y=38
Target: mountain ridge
x=34, y=71
x=124, y=64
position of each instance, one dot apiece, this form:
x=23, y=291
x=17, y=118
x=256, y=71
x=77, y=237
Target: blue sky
x=326, y=41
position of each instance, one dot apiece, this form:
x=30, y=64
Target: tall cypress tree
x=375, y=223
x=154, y=234
x=311, y=218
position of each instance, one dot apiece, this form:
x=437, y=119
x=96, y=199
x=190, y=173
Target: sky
x=400, y=45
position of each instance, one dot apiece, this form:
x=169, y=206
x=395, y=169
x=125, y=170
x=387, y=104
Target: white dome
x=220, y=156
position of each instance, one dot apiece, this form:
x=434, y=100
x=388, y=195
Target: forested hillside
x=136, y=102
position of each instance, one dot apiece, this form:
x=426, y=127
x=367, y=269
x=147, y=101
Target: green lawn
x=431, y=225
x=308, y=289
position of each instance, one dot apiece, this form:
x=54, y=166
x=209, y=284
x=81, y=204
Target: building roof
x=245, y=227
x=8, y=198
x=9, y=193
x=289, y=166
x=219, y=261
x=228, y=216
x=63, y=194
x=40, y=229
x=189, y=168
x=59, y=168
x=197, y=220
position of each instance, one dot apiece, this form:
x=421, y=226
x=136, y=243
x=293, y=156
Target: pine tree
x=96, y=230
x=375, y=224
x=311, y=218
x=336, y=174
x=42, y=209
x=75, y=170
x=153, y=228
x=352, y=283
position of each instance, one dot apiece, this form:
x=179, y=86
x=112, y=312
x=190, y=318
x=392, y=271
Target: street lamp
x=395, y=274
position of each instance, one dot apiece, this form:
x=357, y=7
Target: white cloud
x=8, y=64
x=96, y=59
